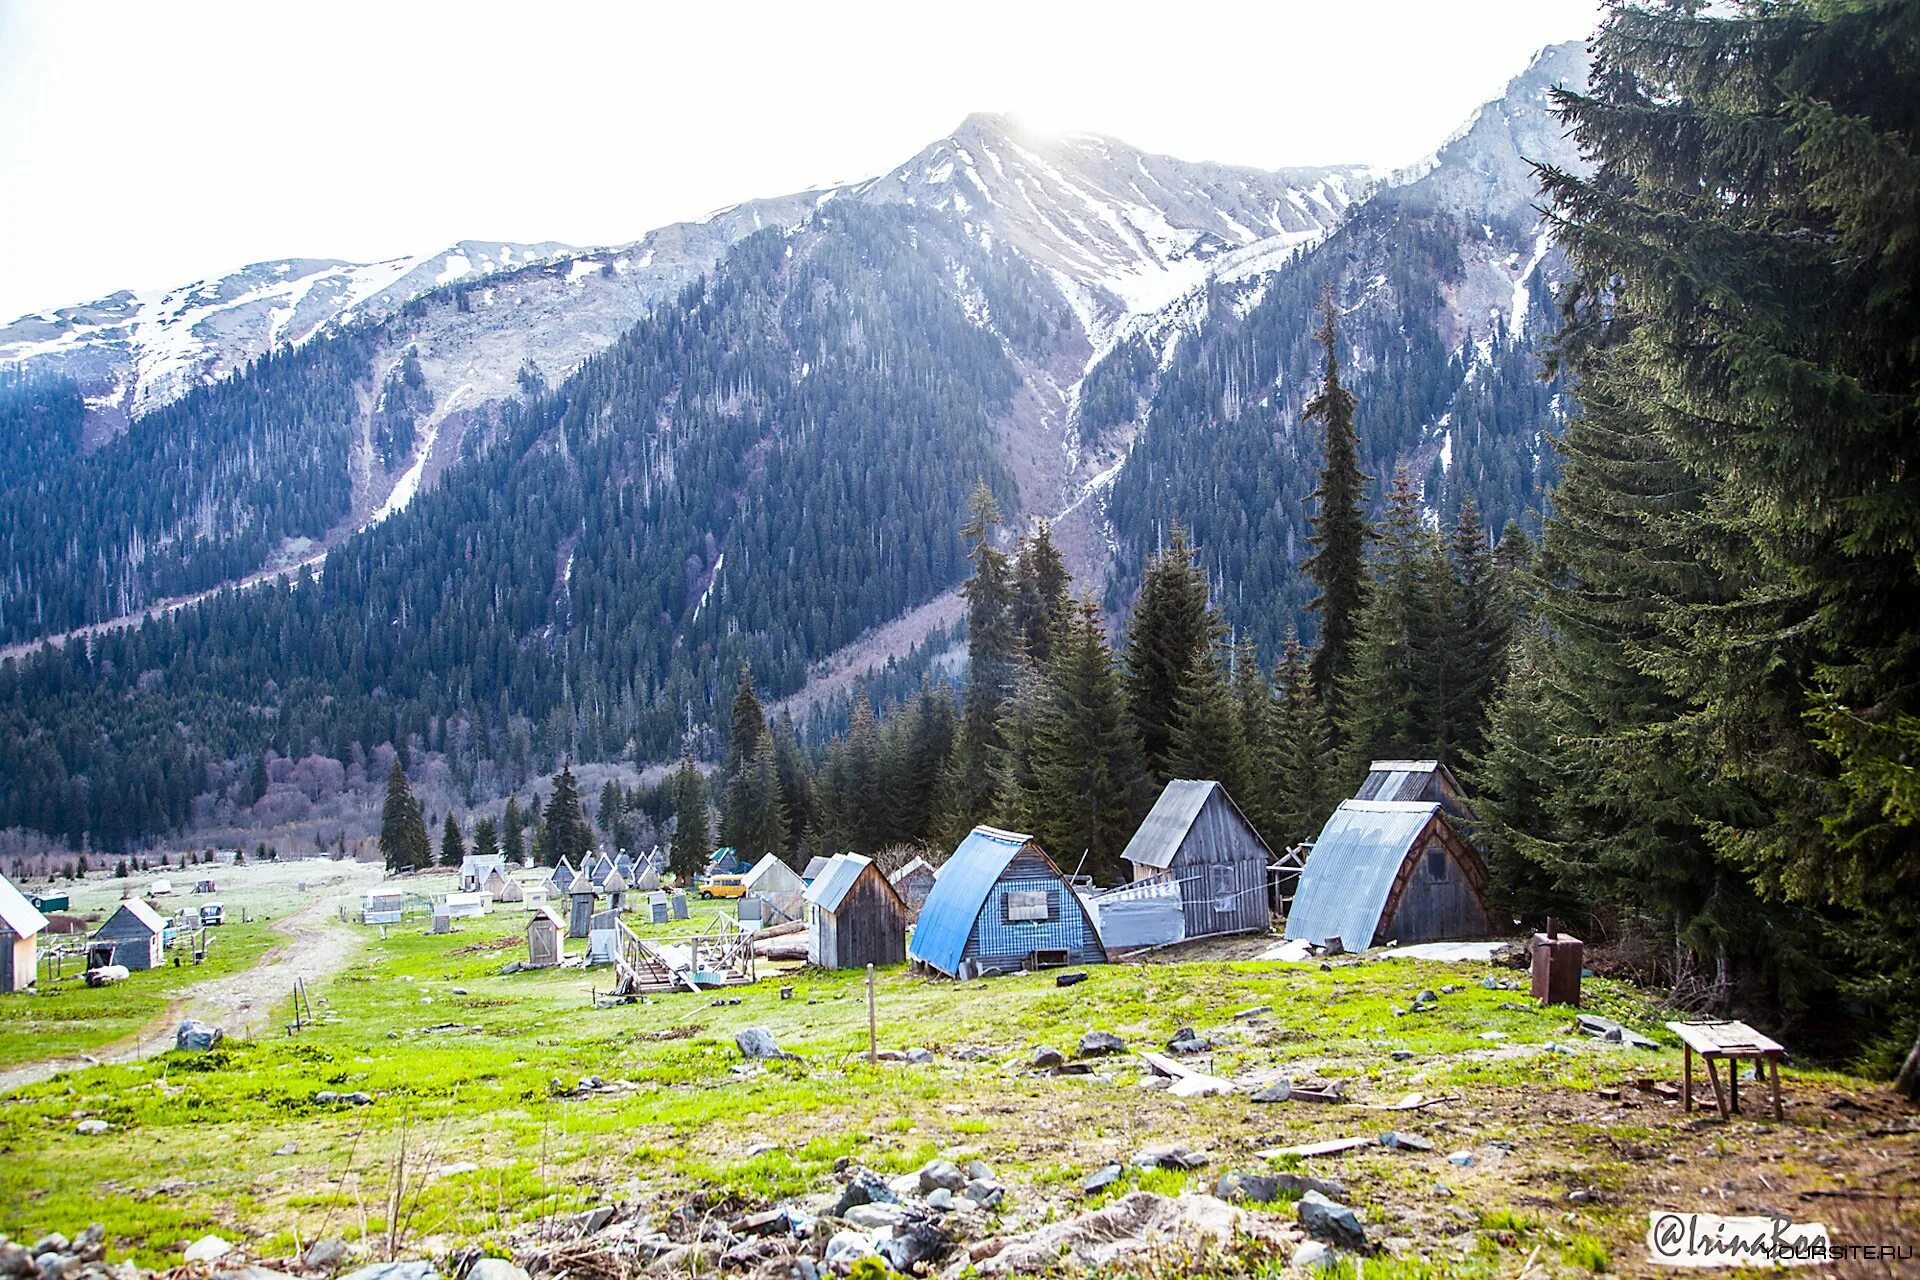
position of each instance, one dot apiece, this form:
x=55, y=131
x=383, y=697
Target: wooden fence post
x=873, y=1025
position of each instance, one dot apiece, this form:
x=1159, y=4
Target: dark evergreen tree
x=513, y=841
x=1172, y=626
x=1039, y=593
x=1208, y=741
x=403, y=828
x=992, y=649
x=1337, y=566
x=1394, y=695
x=1304, y=767
x=486, y=839
x=564, y=825
x=692, y=839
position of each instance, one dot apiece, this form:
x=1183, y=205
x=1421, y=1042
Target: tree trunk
x=1907, y=1083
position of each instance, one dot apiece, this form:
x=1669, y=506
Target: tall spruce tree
x=1172, y=626
x=1339, y=530
x=453, y=850
x=1304, y=769
x=692, y=831
x=1208, y=741
x=746, y=816
x=513, y=840
x=404, y=843
x=992, y=647
x=1475, y=635
x=568, y=834
x=486, y=839
x=1256, y=708
x=1039, y=594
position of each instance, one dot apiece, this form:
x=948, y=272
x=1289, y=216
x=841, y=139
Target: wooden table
x=1732, y=1041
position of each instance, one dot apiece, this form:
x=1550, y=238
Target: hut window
x=1028, y=904
x=1221, y=887
x=1436, y=864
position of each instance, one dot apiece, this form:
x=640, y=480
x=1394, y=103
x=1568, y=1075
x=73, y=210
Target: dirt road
x=317, y=944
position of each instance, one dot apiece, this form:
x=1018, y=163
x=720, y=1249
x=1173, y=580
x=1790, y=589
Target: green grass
x=66, y=1016
x=234, y=1141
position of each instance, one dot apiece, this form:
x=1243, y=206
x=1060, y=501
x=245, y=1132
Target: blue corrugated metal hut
x=1389, y=870
x=999, y=905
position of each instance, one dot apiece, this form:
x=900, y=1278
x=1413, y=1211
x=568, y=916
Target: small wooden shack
x=854, y=917
x=133, y=936
x=502, y=887
x=580, y=917
x=1425, y=780
x=20, y=925
x=603, y=937
x=647, y=881
x=777, y=886
x=815, y=865
x=1196, y=834
x=913, y=883
x=563, y=877
x=477, y=868
x=546, y=939
x=616, y=891
x=1389, y=871
x=999, y=905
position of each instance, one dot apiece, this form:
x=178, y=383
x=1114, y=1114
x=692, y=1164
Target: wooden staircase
x=720, y=955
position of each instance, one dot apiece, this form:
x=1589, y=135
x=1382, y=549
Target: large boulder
x=758, y=1044
x=1331, y=1221
x=1098, y=1044
x=196, y=1036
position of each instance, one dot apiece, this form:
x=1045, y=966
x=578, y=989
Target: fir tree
x=1208, y=742
x=403, y=828
x=453, y=850
x=1476, y=632
x=991, y=649
x=486, y=839
x=512, y=832
x=687, y=856
x=1303, y=765
x=1171, y=627
x=564, y=825
x=1339, y=537
x=1039, y=594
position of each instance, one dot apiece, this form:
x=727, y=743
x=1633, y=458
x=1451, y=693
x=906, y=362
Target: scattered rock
x=1254, y=1012
x=1153, y=1082
x=15, y=1260
x=872, y=1217
x=919, y=1057
x=357, y=1099
x=865, y=1187
x=207, y=1249
x=1098, y=1044
x=979, y=1169
x=1045, y=1059
x=1102, y=1178
x=1073, y=979
x=325, y=1254
x=758, y=1044
x=1176, y=1155
x=1279, y=1091
x=1265, y=1188
x=913, y=1243
x=419, y=1269
x=941, y=1173
x=92, y=1126
x=847, y=1248
x=52, y=1242
x=287, y=1149
x=592, y=1220
x=1401, y=1055
x=1186, y=1041
x=940, y=1198
x=1462, y=1158
x=985, y=1192
x=1404, y=1141
x=1331, y=1221
x=195, y=1036
x=251, y=1272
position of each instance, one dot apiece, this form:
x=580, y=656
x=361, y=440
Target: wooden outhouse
x=20, y=925
x=1197, y=835
x=546, y=939
x=134, y=936
x=854, y=917
x=580, y=917
x=999, y=905
x=1389, y=871
x=616, y=891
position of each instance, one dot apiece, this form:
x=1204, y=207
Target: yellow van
x=723, y=887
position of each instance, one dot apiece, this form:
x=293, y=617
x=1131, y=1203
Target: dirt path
x=316, y=945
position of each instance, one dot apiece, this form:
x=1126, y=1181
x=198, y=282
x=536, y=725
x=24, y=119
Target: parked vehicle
x=213, y=913
x=723, y=887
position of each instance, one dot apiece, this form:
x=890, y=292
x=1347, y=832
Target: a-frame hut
x=854, y=917
x=1000, y=904
x=1426, y=780
x=20, y=926
x=778, y=885
x=546, y=939
x=563, y=877
x=913, y=883
x=616, y=891
x=1389, y=871
x=1196, y=834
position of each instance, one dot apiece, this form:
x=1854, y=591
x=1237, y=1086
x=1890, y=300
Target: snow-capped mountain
x=1123, y=232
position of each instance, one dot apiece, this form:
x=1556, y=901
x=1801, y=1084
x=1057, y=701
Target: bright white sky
x=144, y=145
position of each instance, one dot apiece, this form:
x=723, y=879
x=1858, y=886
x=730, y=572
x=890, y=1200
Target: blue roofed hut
x=1000, y=905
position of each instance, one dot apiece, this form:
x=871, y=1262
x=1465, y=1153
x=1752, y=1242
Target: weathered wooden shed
x=854, y=917
x=999, y=905
x=475, y=869
x=20, y=926
x=913, y=883
x=133, y=936
x=1389, y=871
x=563, y=876
x=580, y=901
x=1196, y=834
x=546, y=939
x=616, y=891
x=502, y=887
x=1427, y=780
x=647, y=881
x=777, y=885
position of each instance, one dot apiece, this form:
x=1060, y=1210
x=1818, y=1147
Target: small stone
x=985, y=1193
x=1254, y=1012
x=1311, y=1254
x=92, y=1126
x=757, y=1043
x=1331, y=1221
x=1490, y=982
x=1102, y=1178
x=1098, y=1044
x=1449, y=989
x=1429, y=996
x=592, y=1220
x=941, y=1173
x=326, y=1097
x=1186, y=1041
x=872, y=1217
x=325, y=1254
x=865, y=1187
x=418, y=1269
x=53, y=1266
x=15, y=1260
x=207, y=1249
x=1175, y=1155
x=1265, y=1188
x=1073, y=979
x=847, y=1248
x=1045, y=1059
x=913, y=1243
x=979, y=1169
x=1462, y=1158
x=1401, y=1055
x=1404, y=1141
x=197, y=1037
x=940, y=1198
x=1279, y=1091
x=1153, y=1082
x=357, y=1099
x=919, y=1057
x=287, y=1149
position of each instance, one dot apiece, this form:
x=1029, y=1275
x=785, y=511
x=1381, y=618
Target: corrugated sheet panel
x=830, y=887
x=966, y=879
x=772, y=876
x=1147, y=913
x=1166, y=825
x=21, y=918
x=1351, y=871
x=1012, y=923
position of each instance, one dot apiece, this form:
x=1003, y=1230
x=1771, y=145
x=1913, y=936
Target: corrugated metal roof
x=953, y=904
x=831, y=886
x=21, y=917
x=815, y=865
x=1159, y=836
x=140, y=911
x=771, y=875
x=1350, y=873
x=917, y=867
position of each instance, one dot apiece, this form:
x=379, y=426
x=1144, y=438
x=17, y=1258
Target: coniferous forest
x=1652, y=599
